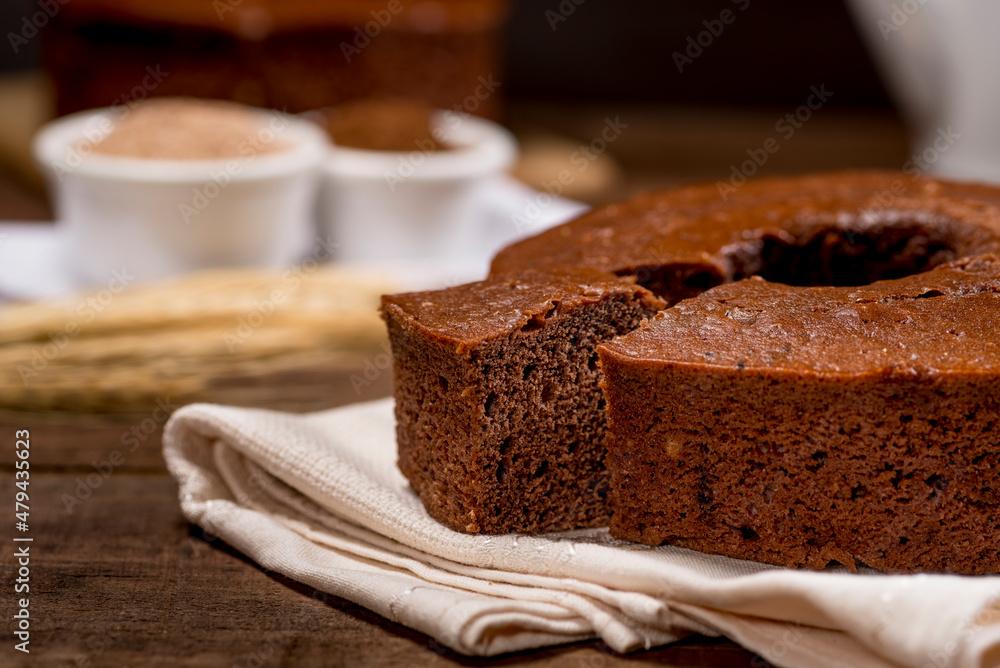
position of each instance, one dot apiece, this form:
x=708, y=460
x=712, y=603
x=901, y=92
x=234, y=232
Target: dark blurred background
x=698, y=82
x=603, y=50
x=614, y=51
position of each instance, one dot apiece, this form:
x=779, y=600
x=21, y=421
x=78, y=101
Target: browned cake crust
x=802, y=426
x=499, y=416
x=835, y=230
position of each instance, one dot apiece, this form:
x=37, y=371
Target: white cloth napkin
x=318, y=498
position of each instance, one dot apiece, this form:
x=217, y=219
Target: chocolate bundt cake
x=823, y=386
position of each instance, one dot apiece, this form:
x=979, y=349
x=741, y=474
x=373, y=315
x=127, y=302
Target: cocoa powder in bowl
x=382, y=124
x=189, y=129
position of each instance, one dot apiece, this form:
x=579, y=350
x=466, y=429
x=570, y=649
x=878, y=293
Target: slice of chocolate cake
x=500, y=417
x=802, y=426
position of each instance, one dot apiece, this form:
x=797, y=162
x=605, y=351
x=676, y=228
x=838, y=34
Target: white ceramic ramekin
x=383, y=205
x=149, y=218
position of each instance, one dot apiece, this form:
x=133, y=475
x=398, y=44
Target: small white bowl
x=148, y=218
x=383, y=205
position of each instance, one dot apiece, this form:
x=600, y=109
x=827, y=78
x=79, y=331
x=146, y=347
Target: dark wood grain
x=119, y=578
x=130, y=441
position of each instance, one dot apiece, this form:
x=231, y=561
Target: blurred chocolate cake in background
x=293, y=55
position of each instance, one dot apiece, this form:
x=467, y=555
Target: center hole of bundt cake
x=674, y=282
x=830, y=255
x=846, y=257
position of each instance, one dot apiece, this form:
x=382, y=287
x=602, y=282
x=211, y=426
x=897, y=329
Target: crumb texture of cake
x=188, y=129
x=804, y=426
x=500, y=417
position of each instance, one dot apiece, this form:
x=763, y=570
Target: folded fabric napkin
x=318, y=498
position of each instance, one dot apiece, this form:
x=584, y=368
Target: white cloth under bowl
x=318, y=498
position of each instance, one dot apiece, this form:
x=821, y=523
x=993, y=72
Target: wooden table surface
x=119, y=578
